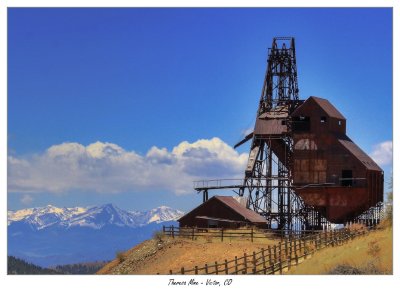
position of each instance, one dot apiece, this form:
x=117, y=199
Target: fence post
x=206, y=268
x=254, y=263
x=245, y=263
x=289, y=263
x=251, y=234
x=273, y=269
x=222, y=234
x=320, y=240
x=295, y=244
x=286, y=247
x=226, y=267
x=326, y=237
x=236, y=265
x=170, y=272
x=297, y=259
x=182, y=271
x=216, y=268
x=196, y=270
x=269, y=254
x=263, y=259
x=316, y=242
x=275, y=254
x=172, y=231
x=280, y=251
x=338, y=237
x=300, y=243
x=193, y=233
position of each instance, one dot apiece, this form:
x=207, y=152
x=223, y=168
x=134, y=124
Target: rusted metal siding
x=338, y=204
x=329, y=170
x=270, y=127
x=220, y=210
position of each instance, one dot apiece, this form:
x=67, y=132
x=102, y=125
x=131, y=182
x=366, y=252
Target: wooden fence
x=278, y=258
x=222, y=233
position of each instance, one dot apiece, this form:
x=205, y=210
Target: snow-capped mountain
x=51, y=235
x=94, y=217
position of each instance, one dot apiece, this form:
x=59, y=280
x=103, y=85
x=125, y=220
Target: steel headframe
x=268, y=186
x=280, y=83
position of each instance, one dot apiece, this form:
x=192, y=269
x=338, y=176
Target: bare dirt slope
x=151, y=257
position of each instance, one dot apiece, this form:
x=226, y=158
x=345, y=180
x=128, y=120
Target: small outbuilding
x=222, y=211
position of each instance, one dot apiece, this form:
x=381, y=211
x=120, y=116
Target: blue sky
x=115, y=93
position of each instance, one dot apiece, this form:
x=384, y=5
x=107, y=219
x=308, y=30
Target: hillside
x=152, y=257
x=17, y=266
x=81, y=269
x=369, y=254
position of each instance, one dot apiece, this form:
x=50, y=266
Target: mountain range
x=48, y=236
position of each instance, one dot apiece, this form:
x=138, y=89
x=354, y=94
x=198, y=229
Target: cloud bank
x=382, y=153
x=104, y=167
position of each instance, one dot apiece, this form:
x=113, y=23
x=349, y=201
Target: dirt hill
x=152, y=256
x=367, y=254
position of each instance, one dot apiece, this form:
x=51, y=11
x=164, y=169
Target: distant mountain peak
x=95, y=217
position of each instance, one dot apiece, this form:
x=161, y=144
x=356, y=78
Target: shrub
x=345, y=270
x=208, y=237
x=120, y=256
x=373, y=248
x=158, y=236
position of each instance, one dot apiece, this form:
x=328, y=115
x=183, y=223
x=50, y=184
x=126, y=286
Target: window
x=347, y=178
x=301, y=123
x=323, y=119
x=340, y=122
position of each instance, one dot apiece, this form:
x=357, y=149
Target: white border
x=139, y=282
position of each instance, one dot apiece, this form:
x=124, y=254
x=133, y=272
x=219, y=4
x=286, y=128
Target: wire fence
x=274, y=259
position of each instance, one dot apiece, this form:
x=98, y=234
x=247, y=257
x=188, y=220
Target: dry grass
x=181, y=252
x=370, y=254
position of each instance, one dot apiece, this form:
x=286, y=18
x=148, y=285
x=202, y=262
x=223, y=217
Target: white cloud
x=382, y=153
x=26, y=199
x=247, y=131
x=108, y=168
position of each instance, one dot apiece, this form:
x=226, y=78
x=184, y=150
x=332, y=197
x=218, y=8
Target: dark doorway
x=301, y=123
x=347, y=178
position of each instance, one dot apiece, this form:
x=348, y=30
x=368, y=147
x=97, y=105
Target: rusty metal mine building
x=343, y=180
x=303, y=171
x=222, y=211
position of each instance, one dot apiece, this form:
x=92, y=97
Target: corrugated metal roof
x=359, y=154
x=328, y=107
x=243, y=211
x=233, y=204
